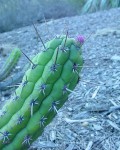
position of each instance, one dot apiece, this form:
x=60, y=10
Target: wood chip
x=113, y=124
x=70, y=147
x=95, y=92
x=52, y=135
x=89, y=146
x=80, y=121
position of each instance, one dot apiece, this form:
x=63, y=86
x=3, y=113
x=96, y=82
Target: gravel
x=90, y=119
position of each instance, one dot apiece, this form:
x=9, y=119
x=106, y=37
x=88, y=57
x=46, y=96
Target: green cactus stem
x=10, y=82
x=10, y=63
x=53, y=75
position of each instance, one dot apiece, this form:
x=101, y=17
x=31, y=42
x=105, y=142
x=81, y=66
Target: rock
x=115, y=58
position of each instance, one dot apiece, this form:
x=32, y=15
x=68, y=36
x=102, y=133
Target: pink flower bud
x=80, y=39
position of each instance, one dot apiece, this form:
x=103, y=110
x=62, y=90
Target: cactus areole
x=45, y=87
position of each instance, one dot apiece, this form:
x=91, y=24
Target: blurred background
x=19, y=13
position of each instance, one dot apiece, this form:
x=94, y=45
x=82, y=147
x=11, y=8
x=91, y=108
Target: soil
x=90, y=119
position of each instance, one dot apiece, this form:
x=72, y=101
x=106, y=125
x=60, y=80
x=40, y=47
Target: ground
x=90, y=119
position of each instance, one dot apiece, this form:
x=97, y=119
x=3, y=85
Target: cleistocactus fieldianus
x=45, y=87
x=10, y=82
x=10, y=63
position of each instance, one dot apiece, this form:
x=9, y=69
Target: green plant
x=45, y=87
x=95, y=5
x=6, y=81
x=10, y=63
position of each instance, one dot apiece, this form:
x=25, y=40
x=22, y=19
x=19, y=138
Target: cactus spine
x=44, y=89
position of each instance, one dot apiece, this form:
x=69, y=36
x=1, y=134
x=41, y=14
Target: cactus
x=10, y=63
x=45, y=87
x=7, y=68
x=10, y=82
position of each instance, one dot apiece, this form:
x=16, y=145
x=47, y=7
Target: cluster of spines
x=46, y=107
